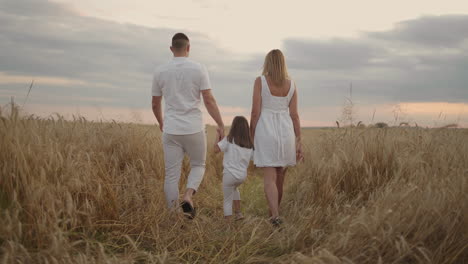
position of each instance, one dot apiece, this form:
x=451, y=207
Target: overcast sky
x=96, y=58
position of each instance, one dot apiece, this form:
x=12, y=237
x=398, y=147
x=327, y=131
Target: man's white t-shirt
x=236, y=158
x=180, y=82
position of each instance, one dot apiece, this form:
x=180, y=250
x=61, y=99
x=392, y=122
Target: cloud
x=41, y=38
x=28, y=8
x=402, y=64
x=336, y=54
x=45, y=80
x=82, y=61
x=431, y=31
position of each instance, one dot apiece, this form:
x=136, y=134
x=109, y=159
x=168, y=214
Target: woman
x=275, y=128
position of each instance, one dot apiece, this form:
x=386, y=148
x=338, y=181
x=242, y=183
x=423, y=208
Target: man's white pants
x=175, y=146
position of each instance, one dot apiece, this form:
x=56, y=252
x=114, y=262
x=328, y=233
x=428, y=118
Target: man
x=181, y=82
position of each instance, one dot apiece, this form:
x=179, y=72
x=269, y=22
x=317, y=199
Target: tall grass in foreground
x=86, y=192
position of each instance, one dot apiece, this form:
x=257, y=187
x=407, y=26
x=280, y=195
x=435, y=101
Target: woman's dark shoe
x=188, y=209
x=276, y=222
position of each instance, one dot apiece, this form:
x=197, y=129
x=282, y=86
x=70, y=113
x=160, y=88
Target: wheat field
x=92, y=192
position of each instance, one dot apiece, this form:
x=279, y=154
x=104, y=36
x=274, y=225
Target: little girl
x=238, y=151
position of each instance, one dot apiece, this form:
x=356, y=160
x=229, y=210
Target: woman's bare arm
x=293, y=112
x=256, y=106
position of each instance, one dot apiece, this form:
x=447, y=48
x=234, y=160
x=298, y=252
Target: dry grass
x=84, y=192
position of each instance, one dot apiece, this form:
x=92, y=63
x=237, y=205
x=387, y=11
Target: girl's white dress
x=275, y=141
x=236, y=161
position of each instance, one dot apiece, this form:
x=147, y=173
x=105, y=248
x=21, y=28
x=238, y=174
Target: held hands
x=219, y=133
x=219, y=137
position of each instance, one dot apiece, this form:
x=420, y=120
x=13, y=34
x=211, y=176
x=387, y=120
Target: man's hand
x=218, y=139
x=220, y=132
x=161, y=127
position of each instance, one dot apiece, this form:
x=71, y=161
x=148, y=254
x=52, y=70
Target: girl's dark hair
x=240, y=133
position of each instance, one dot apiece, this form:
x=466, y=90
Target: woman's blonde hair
x=275, y=67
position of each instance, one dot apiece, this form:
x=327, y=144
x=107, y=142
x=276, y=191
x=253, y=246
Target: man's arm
x=213, y=110
x=156, y=92
x=157, y=110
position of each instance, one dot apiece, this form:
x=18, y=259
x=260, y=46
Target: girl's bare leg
x=236, y=204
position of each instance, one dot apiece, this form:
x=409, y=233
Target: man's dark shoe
x=188, y=209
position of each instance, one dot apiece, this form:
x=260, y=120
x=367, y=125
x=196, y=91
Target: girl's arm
x=256, y=106
x=293, y=112
x=216, y=148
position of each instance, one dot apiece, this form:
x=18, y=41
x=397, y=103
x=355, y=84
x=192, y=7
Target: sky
x=406, y=60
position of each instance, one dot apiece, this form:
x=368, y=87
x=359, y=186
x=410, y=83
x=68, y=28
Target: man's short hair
x=180, y=41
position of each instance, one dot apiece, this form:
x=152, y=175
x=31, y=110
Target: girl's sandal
x=239, y=216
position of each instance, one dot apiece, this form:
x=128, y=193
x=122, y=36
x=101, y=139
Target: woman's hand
x=299, y=153
x=293, y=112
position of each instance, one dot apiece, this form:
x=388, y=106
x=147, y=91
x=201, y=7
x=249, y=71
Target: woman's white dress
x=275, y=144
